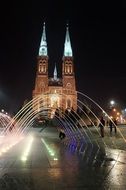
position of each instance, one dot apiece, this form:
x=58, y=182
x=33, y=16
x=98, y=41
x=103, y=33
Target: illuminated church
x=57, y=93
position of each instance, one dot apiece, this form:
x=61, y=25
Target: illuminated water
x=32, y=158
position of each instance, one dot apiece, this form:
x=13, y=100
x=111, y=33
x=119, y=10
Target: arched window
x=66, y=69
x=40, y=68
x=70, y=68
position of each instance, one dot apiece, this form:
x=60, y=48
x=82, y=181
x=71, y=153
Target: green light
x=25, y=155
x=52, y=154
x=24, y=158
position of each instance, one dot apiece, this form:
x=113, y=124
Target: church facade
x=56, y=93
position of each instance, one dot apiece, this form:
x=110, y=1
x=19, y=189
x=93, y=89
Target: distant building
x=56, y=92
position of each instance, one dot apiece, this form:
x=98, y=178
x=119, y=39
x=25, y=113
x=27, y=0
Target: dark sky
x=98, y=38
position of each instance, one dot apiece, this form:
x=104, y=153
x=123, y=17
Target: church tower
x=68, y=76
x=57, y=93
x=41, y=82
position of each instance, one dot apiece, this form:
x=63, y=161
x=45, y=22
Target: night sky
x=98, y=38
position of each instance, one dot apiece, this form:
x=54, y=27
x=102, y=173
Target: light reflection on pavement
x=50, y=165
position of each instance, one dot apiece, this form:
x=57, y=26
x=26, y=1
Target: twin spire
x=67, y=45
x=43, y=45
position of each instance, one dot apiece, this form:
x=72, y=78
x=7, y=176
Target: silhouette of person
x=115, y=124
x=62, y=134
x=110, y=126
x=101, y=126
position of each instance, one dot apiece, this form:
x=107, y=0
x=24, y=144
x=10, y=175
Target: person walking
x=110, y=126
x=101, y=126
x=115, y=125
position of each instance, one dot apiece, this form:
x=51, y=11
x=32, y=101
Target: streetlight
x=112, y=102
x=112, y=109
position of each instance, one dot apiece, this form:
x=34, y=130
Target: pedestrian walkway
x=43, y=161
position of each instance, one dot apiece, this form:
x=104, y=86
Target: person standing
x=101, y=126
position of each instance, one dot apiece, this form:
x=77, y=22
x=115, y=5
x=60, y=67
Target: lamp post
x=112, y=108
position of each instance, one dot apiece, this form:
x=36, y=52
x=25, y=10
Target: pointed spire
x=55, y=73
x=43, y=45
x=67, y=45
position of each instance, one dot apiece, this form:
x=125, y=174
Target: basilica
x=56, y=93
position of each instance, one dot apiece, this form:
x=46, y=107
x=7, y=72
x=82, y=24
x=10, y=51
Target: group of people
x=111, y=123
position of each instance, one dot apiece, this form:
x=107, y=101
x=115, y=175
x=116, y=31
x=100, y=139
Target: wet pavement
x=40, y=161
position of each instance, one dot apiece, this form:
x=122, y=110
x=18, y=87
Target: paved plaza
x=41, y=161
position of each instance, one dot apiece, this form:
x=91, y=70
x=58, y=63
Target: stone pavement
x=43, y=162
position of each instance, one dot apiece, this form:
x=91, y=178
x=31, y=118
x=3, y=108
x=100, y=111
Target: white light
x=25, y=155
x=112, y=102
x=0, y=153
x=24, y=158
x=4, y=150
x=52, y=154
x=55, y=159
